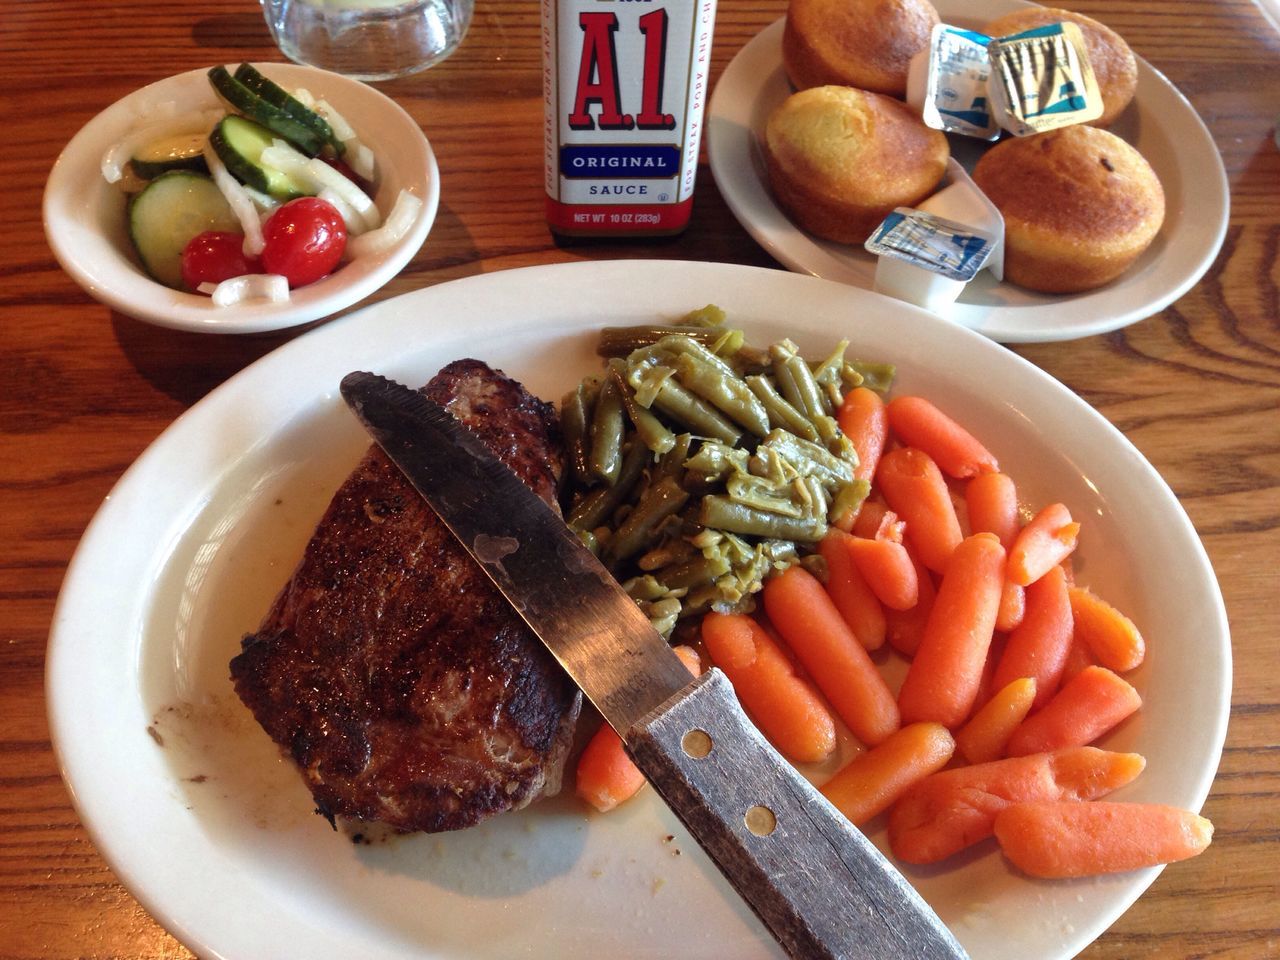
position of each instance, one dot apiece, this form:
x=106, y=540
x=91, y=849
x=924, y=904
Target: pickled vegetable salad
x=701, y=464
x=270, y=193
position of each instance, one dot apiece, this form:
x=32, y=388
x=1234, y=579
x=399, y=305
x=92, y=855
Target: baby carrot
x=1013, y=607
x=863, y=420
x=1043, y=543
x=1109, y=635
x=870, y=518
x=1058, y=839
x=855, y=600
x=1078, y=657
x=918, y=423
x=783, y=704
x=873, y=780
x=992, y=500
x=904, y=628
x=1089, y=705
x=952, y=809
x=915, y=490
x=605, y=775
x=987, y=733
x=942, y=681
x=1039, y=647
x=887, y=570
x=798, y=606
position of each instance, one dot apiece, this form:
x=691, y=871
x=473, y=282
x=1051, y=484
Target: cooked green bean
x=676, y=346
x=598, y=506
x=652, y=432
x=829, y=370
x=810, y=458
x=622, y=341
x=764, y=495
x=681, y=405
x=667, y=554
x=724, y=391
x=672, y=462
x=715, y=461
x=660, y=501
x=575, y=420
x=795, y=380
x=873, y=376
x=608, y=422
x=725, y=513
x=781, y=413
x=695, y=571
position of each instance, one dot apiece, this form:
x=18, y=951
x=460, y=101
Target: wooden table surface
x=86, y=389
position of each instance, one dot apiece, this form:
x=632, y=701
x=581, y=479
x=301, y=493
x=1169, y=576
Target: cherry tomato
x=214, y=256
x=305, y=239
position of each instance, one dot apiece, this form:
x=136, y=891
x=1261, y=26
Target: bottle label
x=624, y=86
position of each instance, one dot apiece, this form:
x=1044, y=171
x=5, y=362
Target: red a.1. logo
x=598, y=75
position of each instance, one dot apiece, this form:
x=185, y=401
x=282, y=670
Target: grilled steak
x=390, y=669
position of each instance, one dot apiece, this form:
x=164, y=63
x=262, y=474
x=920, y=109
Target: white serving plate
x=1160, y=123
x=215, y=834
x=84, y=216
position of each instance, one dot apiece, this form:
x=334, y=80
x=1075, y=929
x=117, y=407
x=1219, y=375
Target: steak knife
x=822, y=889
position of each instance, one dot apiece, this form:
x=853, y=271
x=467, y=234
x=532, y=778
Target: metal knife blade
x=822, y=888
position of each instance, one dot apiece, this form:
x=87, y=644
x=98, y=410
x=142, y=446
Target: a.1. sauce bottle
x=624, y=86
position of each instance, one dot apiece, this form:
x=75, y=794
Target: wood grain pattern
x=1196, y=388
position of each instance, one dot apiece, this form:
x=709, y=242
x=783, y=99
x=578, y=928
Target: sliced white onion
x=358, y=156
x=266, y=204
x=304, y=97
x=241, y=203
x=119, y=154
x=252, y=286
x=353, y=221
x=360, y=159
x=399, y=221
x=316, y=174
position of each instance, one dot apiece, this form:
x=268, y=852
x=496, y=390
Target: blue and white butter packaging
x=928, y=254
x=1041, y=80
x=968, y=83
x=948, y=83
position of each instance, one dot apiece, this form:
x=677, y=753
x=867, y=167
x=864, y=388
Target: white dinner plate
x=200, y=818
x=1160, y=123
x=85, y=223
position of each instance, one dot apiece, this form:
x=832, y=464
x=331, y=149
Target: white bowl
x=84, y=216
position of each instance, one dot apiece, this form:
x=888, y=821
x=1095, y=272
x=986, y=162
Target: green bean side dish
x=699, y=464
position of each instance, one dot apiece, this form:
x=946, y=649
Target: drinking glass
x=368, y=39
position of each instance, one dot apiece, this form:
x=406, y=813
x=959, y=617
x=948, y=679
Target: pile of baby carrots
x=1014, y=670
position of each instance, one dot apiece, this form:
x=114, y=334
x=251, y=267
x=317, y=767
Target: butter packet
x=1041, y=80
x=951, y=250
x=955, y=70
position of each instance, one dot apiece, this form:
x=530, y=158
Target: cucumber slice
x=241, y=98
x=278, y=96
x=183, y=152
x=171, y=210
x=239, y=143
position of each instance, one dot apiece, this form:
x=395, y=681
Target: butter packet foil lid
x=1041, y=80
x=955, y=97
x=951, y=250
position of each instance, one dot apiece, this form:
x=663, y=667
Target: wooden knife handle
x=819, y=885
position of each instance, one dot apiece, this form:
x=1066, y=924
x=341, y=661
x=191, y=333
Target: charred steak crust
x=390, y=669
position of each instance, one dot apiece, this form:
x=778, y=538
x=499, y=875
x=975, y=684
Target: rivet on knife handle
x=819, y=885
